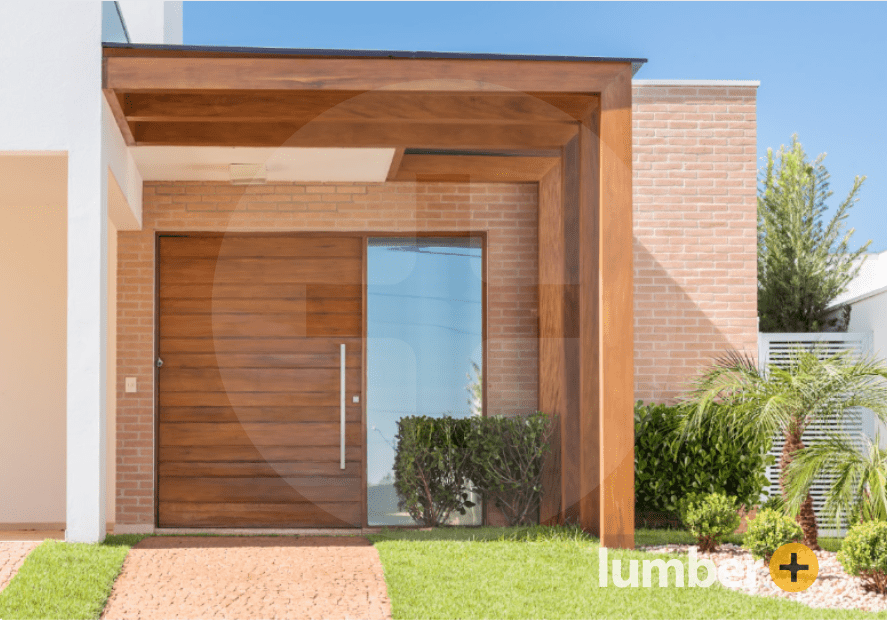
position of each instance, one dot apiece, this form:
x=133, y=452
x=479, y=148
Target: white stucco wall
x=127, y=212
x=870, y=315
x=872, y=277
x=52, y=105
x=111, y=459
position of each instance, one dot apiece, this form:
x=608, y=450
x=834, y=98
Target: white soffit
x=210, y=163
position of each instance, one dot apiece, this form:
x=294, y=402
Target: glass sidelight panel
x=424, y=349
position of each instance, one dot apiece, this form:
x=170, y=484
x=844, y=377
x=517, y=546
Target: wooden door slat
x=260, y=271
x=295, y=346
x=297, y=434
x=224, y=514
x=249, y=399
x=255, y=454
x=245, y=415
x=259, y=324
x=229, y=380
x=262, y=360
x=274, y=469
x=232, y=245
x=265, y=490
x=254, y=290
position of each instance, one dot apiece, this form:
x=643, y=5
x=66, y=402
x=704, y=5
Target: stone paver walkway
x=240, y=578
x=12, y=556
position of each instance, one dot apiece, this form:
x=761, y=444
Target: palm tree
x=787, y=400
x=858, y=491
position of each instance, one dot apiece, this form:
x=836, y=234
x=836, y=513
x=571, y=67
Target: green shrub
x=864, y=554
x=507, y=454
x=430, y=467
x=709, y=518
x=669, y=467
x=768, y=531
x=439, y=460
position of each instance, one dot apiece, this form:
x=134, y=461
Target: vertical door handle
x=342, y=406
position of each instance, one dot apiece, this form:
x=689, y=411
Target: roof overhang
x=495, y=113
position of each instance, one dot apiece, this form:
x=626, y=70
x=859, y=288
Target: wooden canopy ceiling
x=489, y=118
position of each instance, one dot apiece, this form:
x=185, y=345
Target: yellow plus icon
x=794, y=567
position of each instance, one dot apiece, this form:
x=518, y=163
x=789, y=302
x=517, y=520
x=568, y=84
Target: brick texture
x=507, y=212
x=695, y=210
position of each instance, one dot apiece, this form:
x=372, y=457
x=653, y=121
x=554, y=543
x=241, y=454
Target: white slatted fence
x=776, y=349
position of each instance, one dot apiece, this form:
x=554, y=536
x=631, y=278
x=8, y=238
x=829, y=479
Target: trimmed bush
x=669, y=467
x=768, y=531
x=709, y=518
x=430, y=467
x=507, y=455
x=439, y=461
x=864, y=554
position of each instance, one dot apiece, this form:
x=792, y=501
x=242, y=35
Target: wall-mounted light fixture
x=247, y=174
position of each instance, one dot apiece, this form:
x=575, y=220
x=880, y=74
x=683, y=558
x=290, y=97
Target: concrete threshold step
x=357, y=531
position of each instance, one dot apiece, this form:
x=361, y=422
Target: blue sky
x=820, y=64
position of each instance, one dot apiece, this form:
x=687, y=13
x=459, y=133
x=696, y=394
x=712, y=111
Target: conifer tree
x=803, y=262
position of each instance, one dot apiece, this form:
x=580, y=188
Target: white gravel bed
x=833, y=588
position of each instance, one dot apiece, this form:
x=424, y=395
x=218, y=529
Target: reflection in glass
x=113, y=26
x=424, y=349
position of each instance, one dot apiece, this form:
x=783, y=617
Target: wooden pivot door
x=250, y=399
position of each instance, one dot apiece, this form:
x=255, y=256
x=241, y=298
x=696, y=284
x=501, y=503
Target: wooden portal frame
x=562, y=123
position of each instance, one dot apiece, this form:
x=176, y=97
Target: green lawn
x=61, y=580
x=500, y=573
x=443, y=573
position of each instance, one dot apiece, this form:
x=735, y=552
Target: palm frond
x=858, y=488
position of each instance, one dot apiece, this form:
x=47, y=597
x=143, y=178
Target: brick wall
x=694, y=220
x=507, y=211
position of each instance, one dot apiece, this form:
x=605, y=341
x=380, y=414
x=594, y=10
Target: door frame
x=364, y=236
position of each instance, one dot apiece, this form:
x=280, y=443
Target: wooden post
x=552, y=359
x=586, y=316
x=588, y=169
x=616, y=317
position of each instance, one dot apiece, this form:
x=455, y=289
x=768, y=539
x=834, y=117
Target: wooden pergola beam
x=380, y=106
x=152, y=72
x=476, y=168
x=356, y=134
x=394, y=168
x=119, y=116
